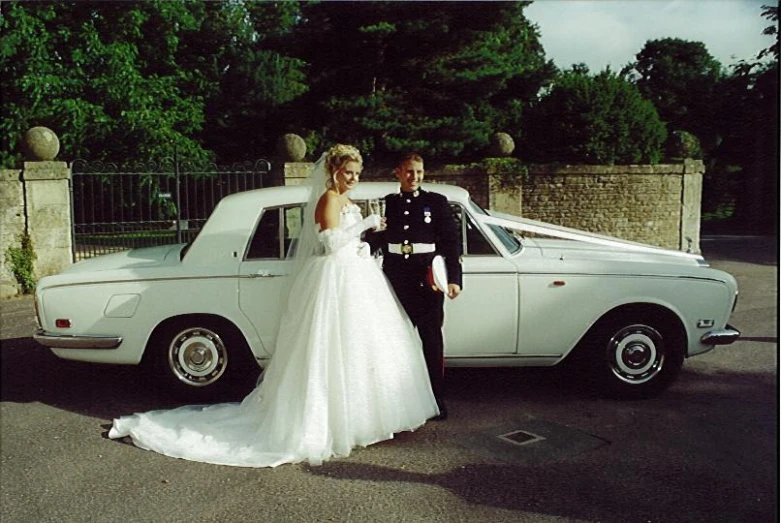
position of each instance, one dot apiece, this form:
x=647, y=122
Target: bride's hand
x=372, y=221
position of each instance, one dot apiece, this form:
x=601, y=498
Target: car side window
x=473, y=242
x=275, y=231
x=292, y=225
x=265, y=241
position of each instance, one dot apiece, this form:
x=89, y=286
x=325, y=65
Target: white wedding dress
x=348, y=371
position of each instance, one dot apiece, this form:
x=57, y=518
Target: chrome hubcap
x=636, y=354
x=198, y=357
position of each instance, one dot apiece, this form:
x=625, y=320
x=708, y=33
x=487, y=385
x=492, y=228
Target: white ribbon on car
x=557, y=231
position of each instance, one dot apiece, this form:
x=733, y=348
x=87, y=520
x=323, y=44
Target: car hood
x=580, y=250
x=162, y=256
x=583, y=251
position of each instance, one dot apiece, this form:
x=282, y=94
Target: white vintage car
x=534, y=295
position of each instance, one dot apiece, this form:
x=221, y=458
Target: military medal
x=427, y=214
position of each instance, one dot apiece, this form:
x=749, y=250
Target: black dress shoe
x=442, y=416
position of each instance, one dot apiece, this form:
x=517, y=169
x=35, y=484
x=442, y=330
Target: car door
x=483, y=320
x=264, y=269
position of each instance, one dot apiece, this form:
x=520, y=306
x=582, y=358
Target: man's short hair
x=409, y=157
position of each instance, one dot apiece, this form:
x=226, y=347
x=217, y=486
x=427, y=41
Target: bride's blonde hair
x=337, y=157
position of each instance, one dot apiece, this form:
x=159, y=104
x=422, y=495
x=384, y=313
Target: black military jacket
x=419, y=217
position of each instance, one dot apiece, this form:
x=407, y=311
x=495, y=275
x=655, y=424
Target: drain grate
x=520, y=437
x=529, y=441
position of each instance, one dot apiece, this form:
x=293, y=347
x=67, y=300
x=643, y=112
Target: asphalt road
x=705, y=450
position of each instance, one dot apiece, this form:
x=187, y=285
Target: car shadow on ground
x=575, y=491
x=623, y=482
x=31, y=373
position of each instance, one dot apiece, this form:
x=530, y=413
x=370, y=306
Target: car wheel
x=634, y=357
x=202, y=358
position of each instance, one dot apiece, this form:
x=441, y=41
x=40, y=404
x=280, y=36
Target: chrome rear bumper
x=64, y=341
x=725, y=336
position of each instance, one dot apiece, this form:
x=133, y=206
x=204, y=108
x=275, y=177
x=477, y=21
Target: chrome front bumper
x=725, y=336
x=64, y=341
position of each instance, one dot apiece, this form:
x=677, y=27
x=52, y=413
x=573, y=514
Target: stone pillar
x=288, y=165
x=505, y=191
x=295, y=173
x=48, y=215
x=12, y=226
x=503, y=197
x=691, y=202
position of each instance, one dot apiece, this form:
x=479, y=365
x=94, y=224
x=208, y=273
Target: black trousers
x=425, y=309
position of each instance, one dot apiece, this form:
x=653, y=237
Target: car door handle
x=264, y=274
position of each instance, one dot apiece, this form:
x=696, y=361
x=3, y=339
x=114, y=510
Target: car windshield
x=506, y=236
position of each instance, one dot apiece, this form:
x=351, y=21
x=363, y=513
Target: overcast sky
x=611, y=32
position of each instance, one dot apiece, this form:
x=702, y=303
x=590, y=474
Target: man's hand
x=453, y=290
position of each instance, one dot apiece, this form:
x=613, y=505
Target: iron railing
x=116, y=207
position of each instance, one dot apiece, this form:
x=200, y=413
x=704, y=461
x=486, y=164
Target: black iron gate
x=125, y=206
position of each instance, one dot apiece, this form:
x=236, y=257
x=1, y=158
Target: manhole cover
x=520, y=437
x=529, y=441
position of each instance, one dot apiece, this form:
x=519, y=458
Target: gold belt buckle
x=406, y=248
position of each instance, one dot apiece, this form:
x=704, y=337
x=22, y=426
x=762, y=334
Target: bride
x=347, y=371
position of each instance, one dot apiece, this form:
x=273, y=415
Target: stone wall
x=36, y=200
x=13, y=225
x=654, y=204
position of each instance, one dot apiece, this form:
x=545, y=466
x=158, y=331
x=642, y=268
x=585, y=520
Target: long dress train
x=348, y=371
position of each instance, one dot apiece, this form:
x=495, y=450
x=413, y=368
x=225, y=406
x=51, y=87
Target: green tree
x=746, y=166
x=601, y=119
x=770, y=12
x=254, y=81
x=682, y=80
x=103, y=75
x=134, y=80
x=439, y=77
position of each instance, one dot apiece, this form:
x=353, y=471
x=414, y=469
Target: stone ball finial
x=41, y=144
x=683, y=144
x=501, y=145
x=291, y=147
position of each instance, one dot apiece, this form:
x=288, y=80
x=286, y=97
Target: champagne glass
x=374, y=206
x=377, y=206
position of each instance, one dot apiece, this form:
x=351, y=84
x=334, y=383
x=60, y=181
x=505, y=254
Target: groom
x=421, y=225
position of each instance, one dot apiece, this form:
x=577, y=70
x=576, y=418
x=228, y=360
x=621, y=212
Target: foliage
x=599, y=119
x=103, y=76
x=750, y=146
x=22, y=262
x=436, y=77
x=734, y=115
x=681, y=78
x=770, y=12
x=136, y=80
x=254, y=80
x=721, y=187
x=682, y=144
x=510, y=172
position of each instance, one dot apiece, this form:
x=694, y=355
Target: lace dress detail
x=347, y=371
